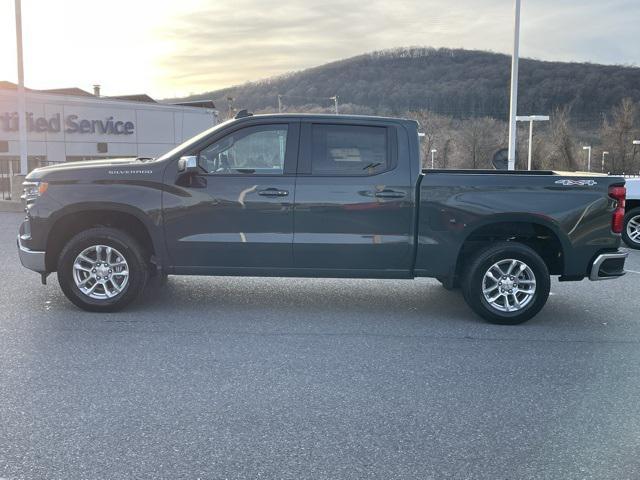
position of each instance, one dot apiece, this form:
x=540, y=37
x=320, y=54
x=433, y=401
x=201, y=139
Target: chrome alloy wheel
x=509, y=285
x=633, y=229
x=100, y=272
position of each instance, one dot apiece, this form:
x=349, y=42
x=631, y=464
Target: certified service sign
x=70, y=123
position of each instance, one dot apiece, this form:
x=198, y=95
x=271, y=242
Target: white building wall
x=157, y=128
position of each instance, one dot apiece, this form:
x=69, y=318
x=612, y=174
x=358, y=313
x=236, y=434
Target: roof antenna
x=243, y=113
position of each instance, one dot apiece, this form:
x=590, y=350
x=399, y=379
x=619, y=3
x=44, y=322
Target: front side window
x=253, y=150
x=349, y=150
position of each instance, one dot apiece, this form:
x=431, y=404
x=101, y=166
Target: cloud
x=254, y=39
x=229, y=43
x=169, y=47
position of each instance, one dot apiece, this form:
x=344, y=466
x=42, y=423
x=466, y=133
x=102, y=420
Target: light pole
x=335, y=102
x=603, y=155
x=513, y=101
x=433, y=155
x=588, y=158
x=279, y=103
x=531, y=119
x=635, y=144
x=230, y=105
x=22, y=116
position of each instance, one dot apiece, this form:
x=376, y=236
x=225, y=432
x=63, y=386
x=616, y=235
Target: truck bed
x=574, y=209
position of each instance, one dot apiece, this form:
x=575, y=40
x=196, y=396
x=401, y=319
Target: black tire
x=472, y=284
x=158, y=280
x=163, y=279
x=134, y=255
x=634, y=214
x=447, y=285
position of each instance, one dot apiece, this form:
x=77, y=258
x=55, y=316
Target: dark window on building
x=4, y=146
x=33, y=161
x=102, y=147
x=349, y=150
x=82, y=158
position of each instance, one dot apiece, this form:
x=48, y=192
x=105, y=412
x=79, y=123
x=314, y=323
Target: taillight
x=619, y=194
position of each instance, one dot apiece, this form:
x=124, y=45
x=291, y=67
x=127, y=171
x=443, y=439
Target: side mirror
x=188, y=164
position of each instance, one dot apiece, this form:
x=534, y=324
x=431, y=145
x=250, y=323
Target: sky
x=170, y=48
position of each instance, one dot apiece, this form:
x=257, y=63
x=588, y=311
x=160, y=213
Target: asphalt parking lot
x=323, y=379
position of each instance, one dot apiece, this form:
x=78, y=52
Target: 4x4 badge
x=580, y=183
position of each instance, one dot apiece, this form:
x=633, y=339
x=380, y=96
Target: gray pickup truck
x=318, y=196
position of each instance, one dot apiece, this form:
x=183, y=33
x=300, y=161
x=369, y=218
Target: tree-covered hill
x=458, y=83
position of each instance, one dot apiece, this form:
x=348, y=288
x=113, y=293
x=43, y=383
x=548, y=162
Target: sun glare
x=65, y=45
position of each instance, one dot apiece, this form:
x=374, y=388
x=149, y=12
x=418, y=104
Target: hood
x=65, y=169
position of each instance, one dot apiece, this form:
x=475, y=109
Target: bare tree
x=480, y=138
x=618, y=134
x=438, y=133
x=541, y=156
x=561, y=142
x=426, y=127
x=445, y=149
x=444, y=140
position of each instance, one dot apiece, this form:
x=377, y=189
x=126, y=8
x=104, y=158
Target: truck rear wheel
x=102, y=270
x=631, y=230
x=507, y=283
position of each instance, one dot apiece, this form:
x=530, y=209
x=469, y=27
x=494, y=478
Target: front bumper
x=608, y=266
x=31, y=259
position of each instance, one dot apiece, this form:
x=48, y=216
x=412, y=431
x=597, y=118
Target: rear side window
x=348, y=150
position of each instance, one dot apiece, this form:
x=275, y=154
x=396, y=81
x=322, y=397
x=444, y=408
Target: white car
x=631, y=231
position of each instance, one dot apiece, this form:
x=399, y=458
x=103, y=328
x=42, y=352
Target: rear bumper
x=608, y=266
x=31, y=259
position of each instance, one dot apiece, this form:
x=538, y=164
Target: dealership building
x=67, y=125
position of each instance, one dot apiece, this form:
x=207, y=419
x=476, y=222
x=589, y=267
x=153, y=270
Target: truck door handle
x=273, y=192
x=390, y=194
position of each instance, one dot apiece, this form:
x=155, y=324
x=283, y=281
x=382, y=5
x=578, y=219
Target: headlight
x=32, y=190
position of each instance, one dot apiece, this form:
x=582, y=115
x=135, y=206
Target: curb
x=9, y=206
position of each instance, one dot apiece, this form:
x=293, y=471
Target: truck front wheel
x=102, y=270
x=507, y=283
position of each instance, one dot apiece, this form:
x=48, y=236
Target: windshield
x=192, y=141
